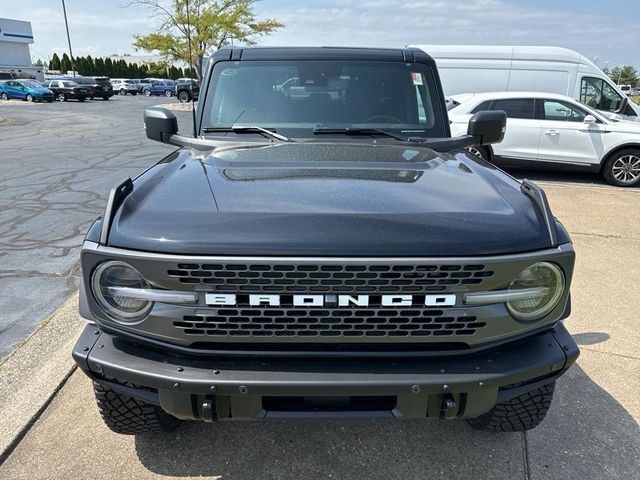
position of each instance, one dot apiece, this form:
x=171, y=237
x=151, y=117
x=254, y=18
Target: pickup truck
x=321, y=247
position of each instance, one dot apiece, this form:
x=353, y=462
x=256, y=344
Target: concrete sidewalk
x=591, y=432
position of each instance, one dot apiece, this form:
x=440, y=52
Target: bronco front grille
x=329, y=322
x=306, y=278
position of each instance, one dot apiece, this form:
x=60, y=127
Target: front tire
x=184, y=97
x=147, y=93
x=4, y=96
x=622, y=169
x=518, y=414
x=129, y=416
x=123, y=92
x=167, y=93
x=29, y=98
x=62, y=97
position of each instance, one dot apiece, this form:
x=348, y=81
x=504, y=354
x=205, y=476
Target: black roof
x=323, y=53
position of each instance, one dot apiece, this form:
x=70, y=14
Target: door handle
x=552, y=132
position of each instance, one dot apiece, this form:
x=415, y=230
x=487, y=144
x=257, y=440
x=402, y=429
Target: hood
x=327, y=199
x=39, y=90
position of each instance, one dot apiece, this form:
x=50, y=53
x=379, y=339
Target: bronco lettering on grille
x=442, y=300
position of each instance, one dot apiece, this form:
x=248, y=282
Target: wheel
x=134, y=93
x=482, y=152
x=4, y=96
x=105, y=98
x=123, y=91
x=29, y=97
x=81, y=99
x=622, y=169
x=518, y=414
x=147, y=93
x=62, y=97
x=167, y=93
x=184, y=97
x=127, y=415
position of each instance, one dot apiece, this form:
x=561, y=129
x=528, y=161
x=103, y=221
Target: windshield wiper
x=361, y=131
x=248, y=129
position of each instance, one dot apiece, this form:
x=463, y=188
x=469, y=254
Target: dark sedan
x=63, y=90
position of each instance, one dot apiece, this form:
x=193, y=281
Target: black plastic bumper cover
x=481, y=379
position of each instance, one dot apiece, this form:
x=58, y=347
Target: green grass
x=635, y=98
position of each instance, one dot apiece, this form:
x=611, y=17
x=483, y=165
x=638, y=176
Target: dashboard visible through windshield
x=296, y=97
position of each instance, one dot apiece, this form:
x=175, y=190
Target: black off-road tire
x=184, y=97
x=518, y=414
x=129, y=416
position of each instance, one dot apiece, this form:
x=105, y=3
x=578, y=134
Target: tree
x=213, y=24
x=65, y=63
x=54, y=64
x=624, y=75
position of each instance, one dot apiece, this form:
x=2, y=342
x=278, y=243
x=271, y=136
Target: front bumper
x=207, y=388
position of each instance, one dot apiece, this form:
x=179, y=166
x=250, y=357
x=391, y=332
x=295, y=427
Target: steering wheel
x=374, y=118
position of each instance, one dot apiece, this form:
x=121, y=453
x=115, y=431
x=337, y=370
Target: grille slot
x=329, y=322
x=363, y=279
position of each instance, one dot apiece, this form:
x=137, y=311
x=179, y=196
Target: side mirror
x=160, y=124
x=487, y=127
x=590, y=120
x=623, y=105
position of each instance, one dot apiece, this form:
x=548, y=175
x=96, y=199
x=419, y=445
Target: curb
x=34, y=373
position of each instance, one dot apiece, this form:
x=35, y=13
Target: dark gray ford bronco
x=321, y=247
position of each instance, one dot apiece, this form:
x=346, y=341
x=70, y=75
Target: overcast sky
x=607, y=29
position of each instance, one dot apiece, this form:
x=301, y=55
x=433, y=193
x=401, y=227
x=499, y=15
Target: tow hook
x=209, y=413
x=448, y=407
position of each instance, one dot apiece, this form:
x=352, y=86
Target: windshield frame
x=432, y=89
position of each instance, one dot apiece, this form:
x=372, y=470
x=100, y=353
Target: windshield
x=294, y=97
x=30, y=84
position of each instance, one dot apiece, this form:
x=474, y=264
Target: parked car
x=124, y=86
x=546, y=129
x=28, y=90
x=64, y=90
x=160, y=87
x=341, y=256
x=186, y=91
x=99, y=87
x=491, y=68
x=6, y=76
x=141, y=83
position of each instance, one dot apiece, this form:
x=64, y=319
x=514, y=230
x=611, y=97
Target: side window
x=597, y=93
x=483, y=106
x=516, y=107
x=562, y=111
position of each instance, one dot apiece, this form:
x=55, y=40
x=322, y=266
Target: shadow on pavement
x=587, y=434
x=590, y=338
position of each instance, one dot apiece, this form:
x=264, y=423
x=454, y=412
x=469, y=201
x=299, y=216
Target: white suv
x=545, y=129
x=124, y=86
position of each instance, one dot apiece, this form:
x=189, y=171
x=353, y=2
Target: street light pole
x=66, y=24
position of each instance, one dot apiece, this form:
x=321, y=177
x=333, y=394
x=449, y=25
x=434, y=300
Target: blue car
x=25, y=90
x=160, y=87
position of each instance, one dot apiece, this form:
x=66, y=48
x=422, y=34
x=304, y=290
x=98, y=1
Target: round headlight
x=546, y=277
x=120, y=308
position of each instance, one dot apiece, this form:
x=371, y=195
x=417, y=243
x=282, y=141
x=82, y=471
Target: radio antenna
x=193, y=102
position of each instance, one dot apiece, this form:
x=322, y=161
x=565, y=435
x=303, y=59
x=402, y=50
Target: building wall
x=15, y=57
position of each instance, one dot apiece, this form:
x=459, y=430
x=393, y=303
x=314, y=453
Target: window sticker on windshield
x=417, y=78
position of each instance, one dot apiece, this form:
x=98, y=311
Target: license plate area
x=328, y=406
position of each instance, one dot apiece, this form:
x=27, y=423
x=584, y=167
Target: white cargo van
x=486, y=68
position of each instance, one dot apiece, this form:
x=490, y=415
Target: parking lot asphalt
x=59, y=162
x=591, y=431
